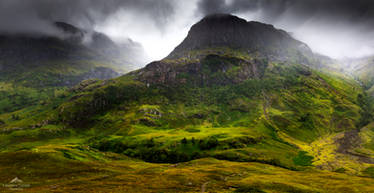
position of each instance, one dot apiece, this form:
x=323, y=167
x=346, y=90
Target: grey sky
x=338, y=28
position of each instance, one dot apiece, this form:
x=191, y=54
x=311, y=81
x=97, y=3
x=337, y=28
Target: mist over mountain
x=71, y=42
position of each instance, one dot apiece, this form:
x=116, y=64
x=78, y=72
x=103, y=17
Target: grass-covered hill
x=215, y=119
x=34, y=68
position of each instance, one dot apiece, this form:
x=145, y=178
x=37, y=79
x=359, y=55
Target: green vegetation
x=240, y=124
x=29, y=85
x=71, y=168
x=369, y=172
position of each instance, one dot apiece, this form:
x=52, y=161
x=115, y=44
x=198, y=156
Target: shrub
x=210, y=143
x=15, y=117
x=184, y=141
x=302, y=159
x=340, y=170
x=240, y=142
x=369, y=172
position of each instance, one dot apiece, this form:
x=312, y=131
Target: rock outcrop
x=210, y=70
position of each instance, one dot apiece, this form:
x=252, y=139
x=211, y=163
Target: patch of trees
x=185, y=150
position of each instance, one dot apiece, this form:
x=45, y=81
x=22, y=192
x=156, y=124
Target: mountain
x=31, y=64
x=223, y=49
x=222, y=30
x=215, y=115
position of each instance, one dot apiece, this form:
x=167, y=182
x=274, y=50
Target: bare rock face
x=210, y=70
x=223, y=30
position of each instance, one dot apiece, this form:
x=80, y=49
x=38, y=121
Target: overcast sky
x=337, y=28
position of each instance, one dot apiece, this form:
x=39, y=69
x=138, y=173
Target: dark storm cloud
x=337, y=28
x=347, y=10
x=35, y=15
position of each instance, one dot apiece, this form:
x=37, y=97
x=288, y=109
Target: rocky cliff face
x=210, y=70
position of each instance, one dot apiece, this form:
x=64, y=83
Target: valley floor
x=73, y=168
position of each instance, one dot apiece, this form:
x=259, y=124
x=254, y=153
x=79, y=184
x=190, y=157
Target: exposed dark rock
x=210, y=70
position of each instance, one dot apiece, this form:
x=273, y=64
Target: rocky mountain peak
x=225, y=30
x=221, y=19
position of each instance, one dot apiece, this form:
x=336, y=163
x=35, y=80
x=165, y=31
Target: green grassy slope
x=28, y=83
x=270, y=118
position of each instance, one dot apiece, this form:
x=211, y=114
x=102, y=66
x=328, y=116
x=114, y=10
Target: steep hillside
x=34, y=68
x=253, y=117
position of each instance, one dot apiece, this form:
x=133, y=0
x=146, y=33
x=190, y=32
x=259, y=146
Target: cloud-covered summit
x=338, y=28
